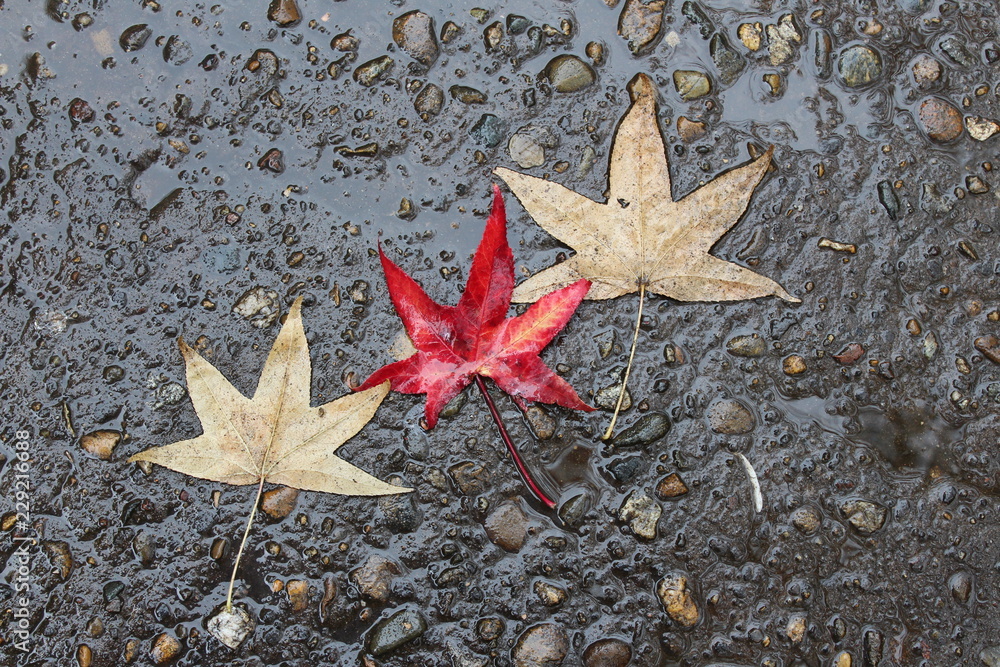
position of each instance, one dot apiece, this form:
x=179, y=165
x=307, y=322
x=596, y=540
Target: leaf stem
x=529, y=481
x=243, y=542
x=628, y=369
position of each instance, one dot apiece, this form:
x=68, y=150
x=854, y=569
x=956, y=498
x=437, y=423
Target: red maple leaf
x=458, y=345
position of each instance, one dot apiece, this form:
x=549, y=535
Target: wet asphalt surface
x=152, y=177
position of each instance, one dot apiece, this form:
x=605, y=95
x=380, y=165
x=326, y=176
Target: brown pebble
x=542, y=644
x=84, y=656
x=165, y=649
x=690, y=130
x=507, y=526
x=851, y=353
x=793, y=364
x=101, y=443
x=989, y=346
x=284, y=12
x=279, y=502
x=913, y=327
x=298, y=594
x=272, y=161
x=677, y=600
x=671, y=486
x=941, y=120
x=608, y=652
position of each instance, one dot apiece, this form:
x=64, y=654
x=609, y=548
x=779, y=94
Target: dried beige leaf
x=641, y=237
x=275, y=436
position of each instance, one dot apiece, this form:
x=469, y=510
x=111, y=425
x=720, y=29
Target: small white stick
x=758, y=499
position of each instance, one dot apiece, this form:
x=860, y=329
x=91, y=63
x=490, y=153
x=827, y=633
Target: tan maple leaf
x=275, y=436
x=641, y=239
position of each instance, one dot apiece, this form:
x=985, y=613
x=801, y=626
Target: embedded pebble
x=957, y=52
x=493, y=35
x=542, y=645
x=690, y=130
x=677, y=600
x=960, y=584
x=806, y=520
x=796, y=628
x=976, y=185
x=849, y=354
x=873, y=648
x=823, y=54
x=389, y=633
x=231, y=627
x=793, y=364
x=84, y=656
x=81, y=111
x=298, y=594
x=467, y=95
x=727, y=61
x=135, y=37
x=751, y=345
x=990, y=347
x=887, y=197
x=691, y=84
x=489, y=130
x=607, y=652
x=693, y=12
x=774, y=82
x=101, y=443
x=625, y=469
x=449, y=32
x=413, y=32
x=548, y=594
x=641, y=513
x=568, y=74
x=471, y=478
x=941, y=120
x=866, y=517
x=165, y=649
x=859, y=65
x=399, y=511
x=517, y=24
x=647, y=429
x=595, y=51
x=750, y=34
x=345, y=42
x=272, y=161
x=259, y=306
x=429, y=100
x=607, y=398
x=671, y=486
x=374, y=578
x=640, y=23
x=507, y=526
x=572, y=511
x=284, y=12
x=782, y=40
x=279, y=502
x=177, y=51
x=370, y=72
x=525, y=151
x=60, y=557
x=926, y=71
x=730, y=417
x=990, y=656
x=981, y=129
x=541, y=422
x=490, y=628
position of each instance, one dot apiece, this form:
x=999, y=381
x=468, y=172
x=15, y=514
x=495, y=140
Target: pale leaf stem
x=628, y=369
x=243, y=542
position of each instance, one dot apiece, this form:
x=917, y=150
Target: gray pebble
x=730, y=417
x=413, y=32
x=568, y=74
x=866, y=517
x=542, y=645
x=389, y=633
x=859, y=65
x=647, y=429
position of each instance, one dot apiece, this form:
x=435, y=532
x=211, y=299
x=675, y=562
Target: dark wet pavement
x=184, y=169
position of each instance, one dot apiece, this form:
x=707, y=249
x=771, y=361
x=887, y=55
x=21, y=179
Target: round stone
x=941, y=120
x=568, y=74
x=859, y=65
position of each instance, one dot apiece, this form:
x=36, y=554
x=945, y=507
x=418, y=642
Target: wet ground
x=168, y=167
